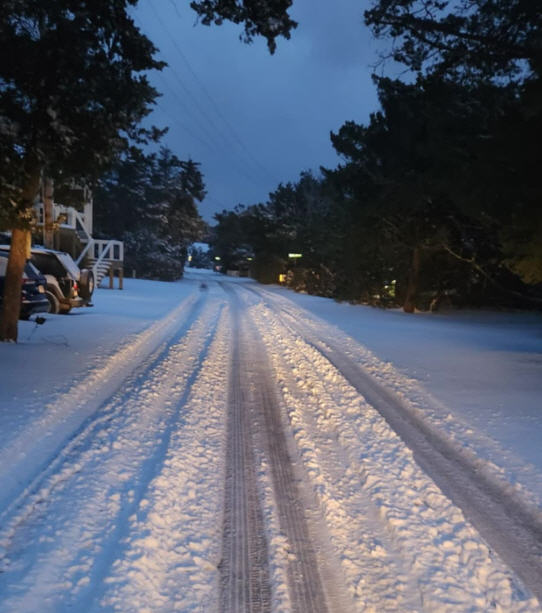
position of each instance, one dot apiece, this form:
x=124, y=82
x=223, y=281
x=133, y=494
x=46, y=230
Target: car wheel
x=54, y=304
x=86, y=284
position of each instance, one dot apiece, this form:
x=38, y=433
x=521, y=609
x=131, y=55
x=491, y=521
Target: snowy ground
x=485, y=367
x=114, y=446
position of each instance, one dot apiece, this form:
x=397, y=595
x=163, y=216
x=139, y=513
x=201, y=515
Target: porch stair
x=100, y=269
x=101, y=256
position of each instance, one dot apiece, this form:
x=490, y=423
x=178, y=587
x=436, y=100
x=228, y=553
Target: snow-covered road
x=242, y=455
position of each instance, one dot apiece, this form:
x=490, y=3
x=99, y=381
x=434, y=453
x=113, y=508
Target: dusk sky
x=250, y=118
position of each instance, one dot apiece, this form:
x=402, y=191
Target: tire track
x=114, y=544
x=512, y=528
x=304, y=580
x=103, y=413
x=245, y=583
x=33, y=500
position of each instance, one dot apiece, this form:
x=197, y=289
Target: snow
x=112, y=436
x=483, y=372
x=340, y=436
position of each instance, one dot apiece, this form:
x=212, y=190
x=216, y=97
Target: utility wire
x=212, y=101
x=183, y=85
x=206, y=134
x=208, y=140
x=183, y=125
x=202, y=126
x=212, y=148
x=176, y=9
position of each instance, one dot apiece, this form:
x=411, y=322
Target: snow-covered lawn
x=112, y=434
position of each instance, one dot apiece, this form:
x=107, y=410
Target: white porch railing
x=102, y=253
x=65, y=216
x=80, y=225
x=112, y=250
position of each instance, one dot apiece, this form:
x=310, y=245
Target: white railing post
x=89, y=244
x=79, y=218
x=103, y=251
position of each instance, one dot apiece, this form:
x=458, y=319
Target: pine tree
x=69, y=103
x=154, y=197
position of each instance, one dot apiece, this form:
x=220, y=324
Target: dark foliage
x=437, y=201
x=267, y=18
x=73, y=89
x=150, y=201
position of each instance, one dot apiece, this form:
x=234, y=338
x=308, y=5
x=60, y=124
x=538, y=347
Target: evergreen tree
x=297, y=217
x=415, y=172
x=155, y=198
x=267, y=18
x=74, y=97
x=68, y=104
x=466, y=38
x=492, y=48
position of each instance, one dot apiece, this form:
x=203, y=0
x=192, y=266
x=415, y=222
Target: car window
x=31, y=271
x=48, y=264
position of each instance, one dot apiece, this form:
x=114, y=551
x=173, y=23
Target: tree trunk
x=409, y=304
x=48, y=217
x=20, y=243
x=11, y=305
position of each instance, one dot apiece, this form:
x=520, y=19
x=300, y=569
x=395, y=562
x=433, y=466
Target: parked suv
x=67, y=286
x=33, y=298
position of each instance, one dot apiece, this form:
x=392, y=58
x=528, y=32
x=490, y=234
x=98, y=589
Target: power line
x=183, y=85
x=209, y=140
x=213, y=101
x=229, y=160
x=209, y=97
x=202, y=125
x=183, y=125
x=176, y=9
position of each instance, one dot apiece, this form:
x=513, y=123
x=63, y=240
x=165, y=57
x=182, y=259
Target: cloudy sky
x=252, y=119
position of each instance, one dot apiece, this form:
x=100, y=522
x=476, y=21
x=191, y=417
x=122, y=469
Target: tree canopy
x=497, y=39
x=267, y=18
x=149, y=200
x=76, y=93
x=69, y=104
x=73, y=92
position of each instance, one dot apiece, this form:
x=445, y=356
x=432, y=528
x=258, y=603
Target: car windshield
x=69, y=264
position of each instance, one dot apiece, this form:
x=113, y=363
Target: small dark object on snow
x=203, y=286
x=38, y=321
